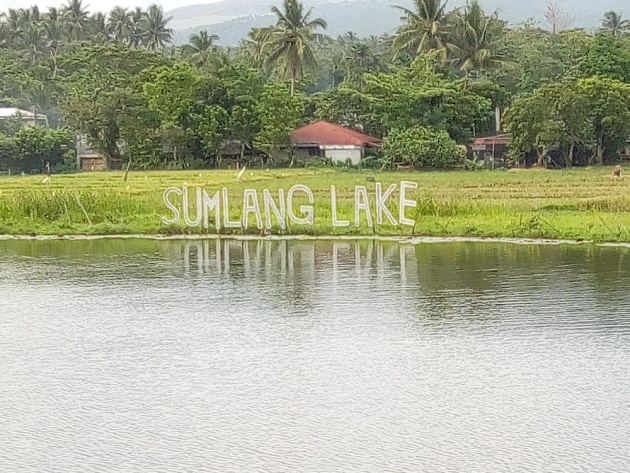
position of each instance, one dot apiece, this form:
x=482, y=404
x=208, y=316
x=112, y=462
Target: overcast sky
x=101, y=5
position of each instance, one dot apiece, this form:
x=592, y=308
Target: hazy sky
x=101, y=5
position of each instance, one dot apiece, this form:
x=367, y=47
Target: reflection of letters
x=307, y=210
x=284, y=259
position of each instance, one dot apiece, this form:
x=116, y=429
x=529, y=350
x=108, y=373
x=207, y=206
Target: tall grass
x=584, y=203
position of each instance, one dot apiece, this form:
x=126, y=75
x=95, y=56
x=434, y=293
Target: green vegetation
x=143, y=103
x=573, y=204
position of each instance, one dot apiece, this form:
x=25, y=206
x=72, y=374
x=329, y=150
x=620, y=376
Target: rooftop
x=13, y=112
x=328, y=134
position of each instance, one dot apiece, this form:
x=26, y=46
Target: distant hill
x=232, y=19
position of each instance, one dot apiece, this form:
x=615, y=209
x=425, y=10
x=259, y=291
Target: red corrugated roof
x=328, y=134
x=504, y=139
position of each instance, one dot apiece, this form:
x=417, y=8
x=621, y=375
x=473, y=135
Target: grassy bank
x=576, y=204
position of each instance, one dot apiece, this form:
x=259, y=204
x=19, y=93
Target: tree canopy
x=117, y=79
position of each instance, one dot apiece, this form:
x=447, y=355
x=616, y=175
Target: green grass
x=576, y=204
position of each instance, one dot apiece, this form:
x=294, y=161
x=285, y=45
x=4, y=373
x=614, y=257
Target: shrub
x=422, y=147
x=30, y=148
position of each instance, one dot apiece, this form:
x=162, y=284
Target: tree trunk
x=292, y=82
x=542, y=152
x=600, y=153
x=568, y=159
x=497, y=117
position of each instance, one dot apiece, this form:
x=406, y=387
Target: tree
x=475, y=40
x=289, y=42
x=421, y=147
x=202, y=50
x=591, y=113
x=76, y=19
x=120, y=24
x=279, y=112
x=155, y=34
x=557, y=18
x=553, y=117
x=423, y=29
x=614, y=25
x=99, y=85
x=608, y=111
x=606, y=58
x=419, y=95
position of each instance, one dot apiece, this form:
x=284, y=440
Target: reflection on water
x=224, y=355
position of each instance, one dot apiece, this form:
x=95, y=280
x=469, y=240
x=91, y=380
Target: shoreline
x=412, y=240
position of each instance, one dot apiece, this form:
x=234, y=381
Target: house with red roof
x=334, y=142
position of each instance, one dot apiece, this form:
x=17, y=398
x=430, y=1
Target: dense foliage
x=116, y=79
x=36, y=149
x=421, y=147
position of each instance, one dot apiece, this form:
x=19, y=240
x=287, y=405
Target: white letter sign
x=333, y=207
x=250, y=204
x=304, y=209
x=380, y=204
x=404, y=202
x=361, y=203
x=171, y=207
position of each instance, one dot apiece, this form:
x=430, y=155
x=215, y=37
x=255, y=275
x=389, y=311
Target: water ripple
x=162, y=356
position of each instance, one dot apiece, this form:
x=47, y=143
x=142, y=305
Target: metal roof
x=16, y=112
x=328, y=134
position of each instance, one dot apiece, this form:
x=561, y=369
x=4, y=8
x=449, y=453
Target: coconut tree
x=53, y=30
x=474, y=45
x=614, y=25
x=289, y=42
x=202, y=49
x=119, y=23
x=33, y=44
x=136, y=31
x=98, y=28
x=76, y=19
x=424, y=28
x=156, y=33
x=256, y=42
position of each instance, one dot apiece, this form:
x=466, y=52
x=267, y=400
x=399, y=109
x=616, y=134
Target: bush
x=30, y=148
x=422, y=147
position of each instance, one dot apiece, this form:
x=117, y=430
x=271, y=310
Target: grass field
x=576, y=204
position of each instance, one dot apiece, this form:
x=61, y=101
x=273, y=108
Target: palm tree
x=136, y=32
x=5, y=33
x=33, y=43
x=98, y=28
x=474, y=47
x=202, y=50
x=119, y=23
x=257, y=40
x=614, y=25
x=76, y=19
x=53, y=33
x=289, y=48
x=424, y=29
x=156, y=33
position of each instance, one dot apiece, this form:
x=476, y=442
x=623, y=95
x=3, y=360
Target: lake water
x=169, y=356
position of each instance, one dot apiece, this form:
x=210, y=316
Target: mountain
x=232, y=19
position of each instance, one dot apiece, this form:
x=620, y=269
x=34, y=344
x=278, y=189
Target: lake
x=131, y=355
